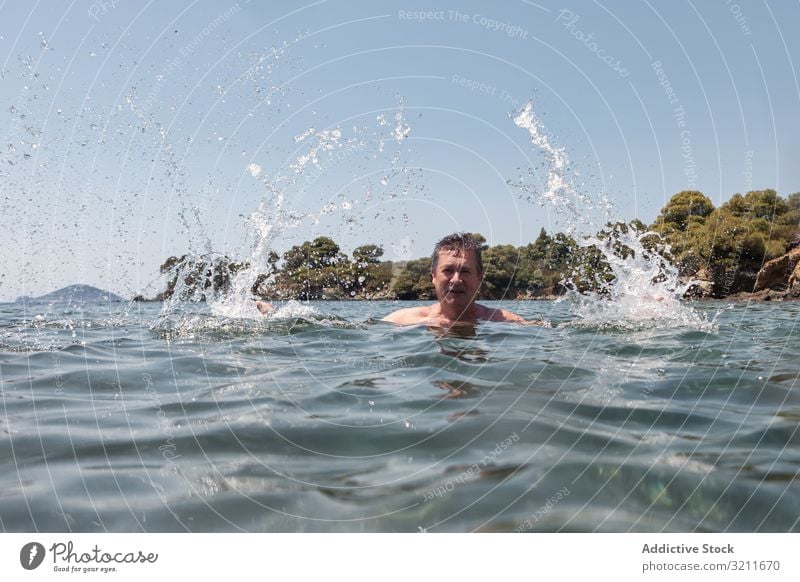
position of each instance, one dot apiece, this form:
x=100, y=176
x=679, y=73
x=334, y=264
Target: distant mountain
x=75, y=295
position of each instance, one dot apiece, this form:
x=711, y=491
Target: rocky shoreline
x=777, y=280
x=765, y=295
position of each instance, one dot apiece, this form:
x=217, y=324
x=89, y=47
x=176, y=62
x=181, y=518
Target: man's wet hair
x=459, y=243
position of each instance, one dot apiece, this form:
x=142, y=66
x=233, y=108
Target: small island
x=74, y=295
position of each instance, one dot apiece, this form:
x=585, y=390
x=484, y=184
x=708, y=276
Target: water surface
x=323, y=419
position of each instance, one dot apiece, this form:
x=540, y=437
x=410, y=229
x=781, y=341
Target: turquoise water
x=325, y=420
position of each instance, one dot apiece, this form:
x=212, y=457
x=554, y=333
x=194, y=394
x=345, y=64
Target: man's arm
x=491, y=314
x=511, y=317
x=395, y=317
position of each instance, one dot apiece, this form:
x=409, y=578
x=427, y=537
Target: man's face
x=456, y=278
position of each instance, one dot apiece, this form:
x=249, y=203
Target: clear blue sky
x=128, y=127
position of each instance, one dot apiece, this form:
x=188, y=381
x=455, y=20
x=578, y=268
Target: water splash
x=401, y=127
x=558, y=192
x=644, y=291
x=640, y=288
x=323, y=151
x=327, y=140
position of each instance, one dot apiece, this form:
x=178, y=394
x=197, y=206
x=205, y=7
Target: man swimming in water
x=457, y=274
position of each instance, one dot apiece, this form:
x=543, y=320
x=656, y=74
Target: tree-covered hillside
x=725, y=247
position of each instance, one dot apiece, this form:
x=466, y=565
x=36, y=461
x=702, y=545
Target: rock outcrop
x=794, y=278
x=702, y=287
x=780, y=274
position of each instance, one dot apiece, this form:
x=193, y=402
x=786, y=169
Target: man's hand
x=536, y=323
x=265, y=307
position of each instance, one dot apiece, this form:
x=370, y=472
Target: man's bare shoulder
x=409, y=316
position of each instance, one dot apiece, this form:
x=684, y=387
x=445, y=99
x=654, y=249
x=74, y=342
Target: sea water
x=323, y=418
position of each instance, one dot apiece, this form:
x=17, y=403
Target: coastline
x=764, y=295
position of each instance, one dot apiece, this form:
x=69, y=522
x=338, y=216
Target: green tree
x=500, y=264
x=414, y=280
x=368, y=254
x=321, y=252
x=310, y=268
x=681, y=227
x=545, y=263
x=366, y=275
x=682, y=207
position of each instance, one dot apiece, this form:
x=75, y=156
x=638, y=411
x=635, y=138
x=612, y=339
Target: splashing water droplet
x=644, y=289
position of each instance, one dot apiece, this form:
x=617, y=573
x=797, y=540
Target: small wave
x=632, y=313
x=295, y=309
x=291, y=318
